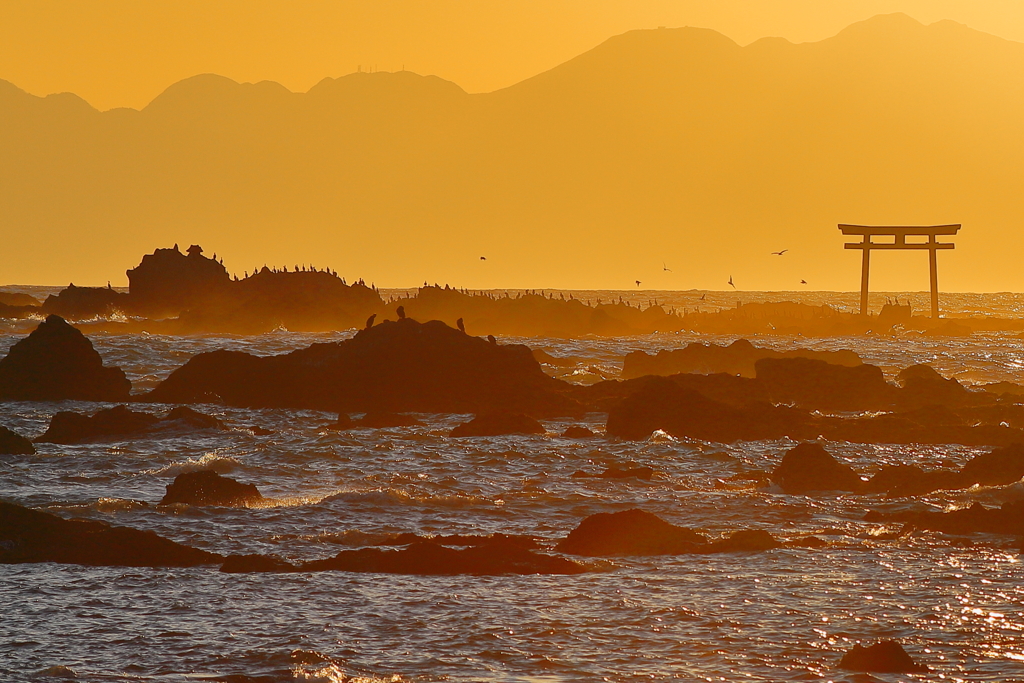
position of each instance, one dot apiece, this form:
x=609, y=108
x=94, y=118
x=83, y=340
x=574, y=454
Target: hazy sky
x=125, y=52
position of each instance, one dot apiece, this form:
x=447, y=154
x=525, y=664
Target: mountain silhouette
x=666, y=143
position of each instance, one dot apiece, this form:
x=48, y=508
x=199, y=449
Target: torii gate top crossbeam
x=899, y=234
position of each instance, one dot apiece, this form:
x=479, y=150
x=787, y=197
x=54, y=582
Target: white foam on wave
x=209, y=461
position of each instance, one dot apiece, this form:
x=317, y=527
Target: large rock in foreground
x=884, y=657
x=57, y=362
x=206, y=487
x=12, y=443
x=402, y=366
x=32, y=536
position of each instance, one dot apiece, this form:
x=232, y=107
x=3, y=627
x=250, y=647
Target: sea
x=955, y=603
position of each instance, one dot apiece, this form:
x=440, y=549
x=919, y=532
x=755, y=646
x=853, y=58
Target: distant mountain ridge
x=666, y=145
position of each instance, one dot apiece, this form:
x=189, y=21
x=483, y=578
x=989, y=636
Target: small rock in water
x=885, y=656
x=497, y=424
x=577, y=432
x=384, y=420
x=206, y=487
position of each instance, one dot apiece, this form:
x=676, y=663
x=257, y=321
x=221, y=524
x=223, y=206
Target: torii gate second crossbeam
x=899, y=235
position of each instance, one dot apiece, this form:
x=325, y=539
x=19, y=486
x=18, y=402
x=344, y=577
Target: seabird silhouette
x=369, y=321
x=637, y=284
x=483, y=258
x=730, y=282
x=401, y=312
x=665, y=267
x=491, y=339
x=703, y=296
x=461, y=325
x=803, y=282
x=779, y=253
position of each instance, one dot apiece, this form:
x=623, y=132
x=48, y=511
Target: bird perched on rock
x=461, y=325
x=369, y=321
x=401, y=312
x=491, y=339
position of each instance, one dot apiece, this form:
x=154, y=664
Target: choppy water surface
x=785, y=615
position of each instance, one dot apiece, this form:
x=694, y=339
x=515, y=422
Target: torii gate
x=899, y=235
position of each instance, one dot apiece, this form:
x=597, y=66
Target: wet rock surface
x=206, y=487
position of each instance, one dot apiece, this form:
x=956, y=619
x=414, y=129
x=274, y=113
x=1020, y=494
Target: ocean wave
x=209, y=461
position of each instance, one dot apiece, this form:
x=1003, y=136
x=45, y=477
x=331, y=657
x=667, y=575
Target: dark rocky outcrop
x=809, y=467
x=28, y=535
x=343, y=423
x=497, y=424
x=637, y=533
x=630, y=532
x=403, y=366
x=577, y=432
x=57, y=362
x=206, y=487
x=490, y=559
x=923, y=386
x=82, y=303
x=1008, y=519
x=168, y=282
x=817, y=385
x=683, y=412
x=120, y=422
x=884, y=657
x=738, y=358
x=12, y=443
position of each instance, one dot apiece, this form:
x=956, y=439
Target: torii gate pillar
x=899, y=235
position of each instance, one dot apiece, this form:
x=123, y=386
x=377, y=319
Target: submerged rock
x=577, y=432
x=12, y=443
x=121, y=422
x=809, y=467
x=886, y=656
x=402, y=366
x=206, y=487
x=497, y=424
x=32, y=536
x=57, y=362
x=1008, y=519
x=491, y=559
x=385, y=420
x=616, y=472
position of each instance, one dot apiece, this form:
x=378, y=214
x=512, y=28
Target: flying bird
x=779, y=253
x=704, y=295
x=803, y=282
x=483, y=258
x=730, y=282
x=665, y=267
x=637, y=283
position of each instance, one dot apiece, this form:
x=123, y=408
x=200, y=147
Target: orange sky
x=124, y=52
